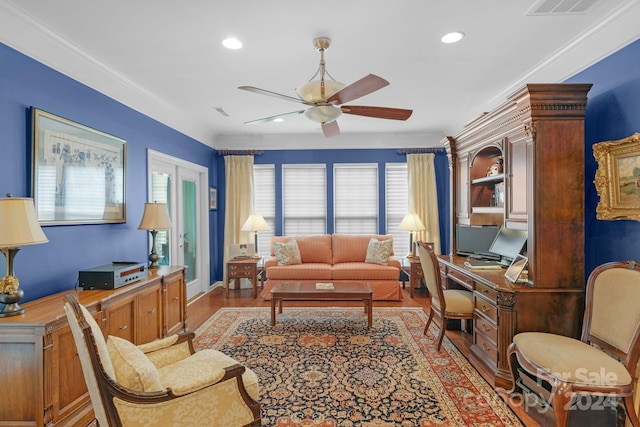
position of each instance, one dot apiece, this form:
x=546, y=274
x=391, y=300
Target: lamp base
x=10, y=301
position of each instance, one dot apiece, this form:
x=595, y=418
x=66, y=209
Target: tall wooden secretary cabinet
x=40, y=372
x=522, y=166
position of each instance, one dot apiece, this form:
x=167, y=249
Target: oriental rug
x=323, y=367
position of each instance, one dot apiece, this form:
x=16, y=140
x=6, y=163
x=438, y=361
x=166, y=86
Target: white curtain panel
x=238, y=201
x=423, y=196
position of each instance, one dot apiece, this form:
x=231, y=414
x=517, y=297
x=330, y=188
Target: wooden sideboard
x=521, y=166
x=40, y=372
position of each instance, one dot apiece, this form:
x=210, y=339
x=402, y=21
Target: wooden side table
x=242, y=268
x=414, y=274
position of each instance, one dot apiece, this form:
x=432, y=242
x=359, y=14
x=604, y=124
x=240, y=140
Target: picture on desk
x=516, y=271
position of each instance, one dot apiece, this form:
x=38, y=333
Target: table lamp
x=411, y=223
x=154, y=218
x=255, y=223
x=18, y=227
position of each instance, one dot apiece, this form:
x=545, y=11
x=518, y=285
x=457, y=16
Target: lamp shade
x=312, y=91
x=255, y=222
x=155, y=217
x=411, y=222
x=19, y=223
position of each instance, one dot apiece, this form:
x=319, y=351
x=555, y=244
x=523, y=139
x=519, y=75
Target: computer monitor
x=509, y=243
x=475, y=240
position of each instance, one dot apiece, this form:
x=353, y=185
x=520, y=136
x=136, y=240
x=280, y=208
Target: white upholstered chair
x=445, y=303
x=603, y=362
x=161, y=383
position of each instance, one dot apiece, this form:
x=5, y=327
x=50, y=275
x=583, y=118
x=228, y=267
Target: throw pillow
x=287, y=253
x=133, y=369
x=378, y=251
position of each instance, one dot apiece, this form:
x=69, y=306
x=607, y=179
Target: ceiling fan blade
x=274, y=94
x=272, y=118
x=331, y=129
x=377, y=112
x=358, y=89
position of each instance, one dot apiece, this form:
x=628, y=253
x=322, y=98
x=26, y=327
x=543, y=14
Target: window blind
x=397, y=193
x=356, y=198
x=304, y=196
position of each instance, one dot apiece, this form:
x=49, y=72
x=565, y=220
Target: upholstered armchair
x=161, y=383
x=603, y=362
x=445, y=303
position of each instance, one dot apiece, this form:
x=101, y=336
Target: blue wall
x=52, y=267
x=613, y=112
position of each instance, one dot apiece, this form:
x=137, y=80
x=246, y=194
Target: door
x=184, y=187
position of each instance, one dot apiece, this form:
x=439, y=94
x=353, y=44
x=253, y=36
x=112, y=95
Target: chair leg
x=560, y=400
x=426, y=327
x=512, y=358
x=443, y=328
x=631, y=410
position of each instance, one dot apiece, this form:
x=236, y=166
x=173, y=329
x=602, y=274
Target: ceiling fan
x=325, y=97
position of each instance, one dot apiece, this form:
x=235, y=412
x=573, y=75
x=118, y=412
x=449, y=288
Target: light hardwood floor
x=202, y=307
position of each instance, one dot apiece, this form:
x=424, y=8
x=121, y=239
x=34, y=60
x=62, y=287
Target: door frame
x=158, y=158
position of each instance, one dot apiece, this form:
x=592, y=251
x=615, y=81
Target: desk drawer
x=460, y=278
x=485, y=327
x=487, y=292
x=486, y=309
x=484, y=344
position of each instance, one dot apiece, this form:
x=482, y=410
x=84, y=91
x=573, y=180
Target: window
x=264, y=190
x=397, y=191
x=356, y=198
x=304, y=197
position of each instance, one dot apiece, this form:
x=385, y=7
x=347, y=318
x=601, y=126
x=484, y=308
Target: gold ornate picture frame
x=617, y=178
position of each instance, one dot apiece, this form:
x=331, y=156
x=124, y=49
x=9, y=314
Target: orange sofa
x=339, y=257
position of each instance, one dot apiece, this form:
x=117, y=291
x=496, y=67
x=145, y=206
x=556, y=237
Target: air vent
x=562, y=7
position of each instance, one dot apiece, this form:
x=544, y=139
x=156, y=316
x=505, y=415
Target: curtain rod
x=239, y=152
x=421, y=150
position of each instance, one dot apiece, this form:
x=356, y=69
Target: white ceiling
x=165, y=59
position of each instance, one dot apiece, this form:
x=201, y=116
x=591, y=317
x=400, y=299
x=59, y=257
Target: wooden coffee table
x=306, y=291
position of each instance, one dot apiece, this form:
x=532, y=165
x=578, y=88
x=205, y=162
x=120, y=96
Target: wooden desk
x=503, y=309
x=244, y=268
x=414, y=274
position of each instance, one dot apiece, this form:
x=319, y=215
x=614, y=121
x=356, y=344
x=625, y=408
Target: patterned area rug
x=322, y=367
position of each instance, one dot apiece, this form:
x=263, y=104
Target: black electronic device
x=475, y=240
x=112, y=276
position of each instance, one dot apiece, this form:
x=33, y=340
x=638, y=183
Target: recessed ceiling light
x=452, y=37
x=278, y=120
x=232, y=43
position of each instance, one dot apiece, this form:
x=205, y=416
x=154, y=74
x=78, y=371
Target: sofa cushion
x=313, y=248
x=378, y=251
x=287, y=253
x=306, y=271
x=133, y=369
x=364, y=271
x=353, y=247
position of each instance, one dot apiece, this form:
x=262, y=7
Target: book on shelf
x=324, y=285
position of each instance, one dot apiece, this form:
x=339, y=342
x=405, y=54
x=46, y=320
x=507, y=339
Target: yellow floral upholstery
x=166, y=356
x=133, y=369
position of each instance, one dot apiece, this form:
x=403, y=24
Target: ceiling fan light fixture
x=323, y=113
x=310, y=91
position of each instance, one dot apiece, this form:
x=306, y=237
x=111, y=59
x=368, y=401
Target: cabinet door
x=149, y=319
x=121, y=319
x=174, y=309
x=517, y=182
